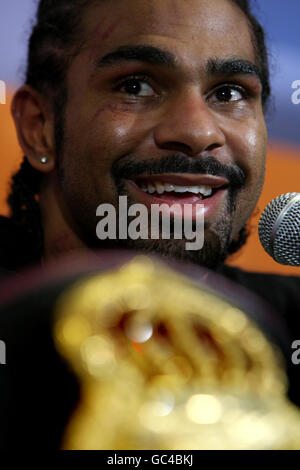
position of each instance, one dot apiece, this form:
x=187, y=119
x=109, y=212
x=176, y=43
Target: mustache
x=127, y=168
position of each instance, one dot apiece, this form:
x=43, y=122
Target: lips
x=208, y=190
x=184, y=180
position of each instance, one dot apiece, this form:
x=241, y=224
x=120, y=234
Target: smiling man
x=159, y=101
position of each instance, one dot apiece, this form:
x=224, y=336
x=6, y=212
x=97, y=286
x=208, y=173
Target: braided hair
x=54, y=42
x=52, y=45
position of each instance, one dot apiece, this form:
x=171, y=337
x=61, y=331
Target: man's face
x=165, y=92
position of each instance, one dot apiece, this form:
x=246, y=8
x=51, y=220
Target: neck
x=60, y=239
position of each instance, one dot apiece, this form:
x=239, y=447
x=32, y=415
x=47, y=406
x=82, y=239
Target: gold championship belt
x=166, y=363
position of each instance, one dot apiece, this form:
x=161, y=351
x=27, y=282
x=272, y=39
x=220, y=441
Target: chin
x=212, y=255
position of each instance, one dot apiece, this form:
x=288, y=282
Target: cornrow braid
x=23, y=202
x=54, y=42
x=52, y=45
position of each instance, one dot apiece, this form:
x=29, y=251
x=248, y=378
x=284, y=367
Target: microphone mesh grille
x=286, y=246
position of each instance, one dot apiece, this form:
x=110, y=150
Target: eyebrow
x=232, y=66
x=157, y=56
x=147, y=54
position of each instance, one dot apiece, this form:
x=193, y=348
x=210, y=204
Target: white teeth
x=169, y=188
x=180, y=189
x=194, y=189
x=205, y=190
x=151, y=189
x=161, y=188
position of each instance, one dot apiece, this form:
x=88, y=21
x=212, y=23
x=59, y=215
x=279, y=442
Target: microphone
x=279, y=229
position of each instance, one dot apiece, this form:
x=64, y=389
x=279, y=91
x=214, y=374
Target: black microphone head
x=279, y=229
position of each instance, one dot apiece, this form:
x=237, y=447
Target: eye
x=136, y=87
x=229, y=93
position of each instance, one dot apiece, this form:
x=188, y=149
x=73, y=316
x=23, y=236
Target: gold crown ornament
x=165, y=363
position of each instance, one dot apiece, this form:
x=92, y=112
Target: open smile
x=207, y=190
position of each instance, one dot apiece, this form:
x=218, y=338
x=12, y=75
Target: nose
x=189, y=125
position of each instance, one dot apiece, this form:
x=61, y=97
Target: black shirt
x=55, y=384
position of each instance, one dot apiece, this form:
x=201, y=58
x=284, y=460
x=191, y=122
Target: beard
x=217, y=235
x=212, y=255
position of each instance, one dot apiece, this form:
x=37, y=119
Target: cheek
x=96, y=138
x=255, y=164
x=114, y=133
x=248, y=142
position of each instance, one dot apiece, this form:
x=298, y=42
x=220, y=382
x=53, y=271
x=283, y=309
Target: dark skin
x=192, y=90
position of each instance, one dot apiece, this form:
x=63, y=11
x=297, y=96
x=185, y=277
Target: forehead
x=192, y=28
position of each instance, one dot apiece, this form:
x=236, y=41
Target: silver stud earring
x=44, y=160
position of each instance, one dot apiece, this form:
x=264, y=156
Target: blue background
x=281, y=20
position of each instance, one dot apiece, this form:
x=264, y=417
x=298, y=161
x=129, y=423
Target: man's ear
x=35, y=127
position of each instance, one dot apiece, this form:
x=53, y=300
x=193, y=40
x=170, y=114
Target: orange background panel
x=282, y=176
x=10, y=152
x=283, y=171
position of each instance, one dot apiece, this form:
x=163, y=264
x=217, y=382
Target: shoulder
x=254, y=277
x=8, y=237
x=283, y=292
x=14, y=253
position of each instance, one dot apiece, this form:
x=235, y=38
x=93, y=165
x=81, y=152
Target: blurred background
x=281, y=22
